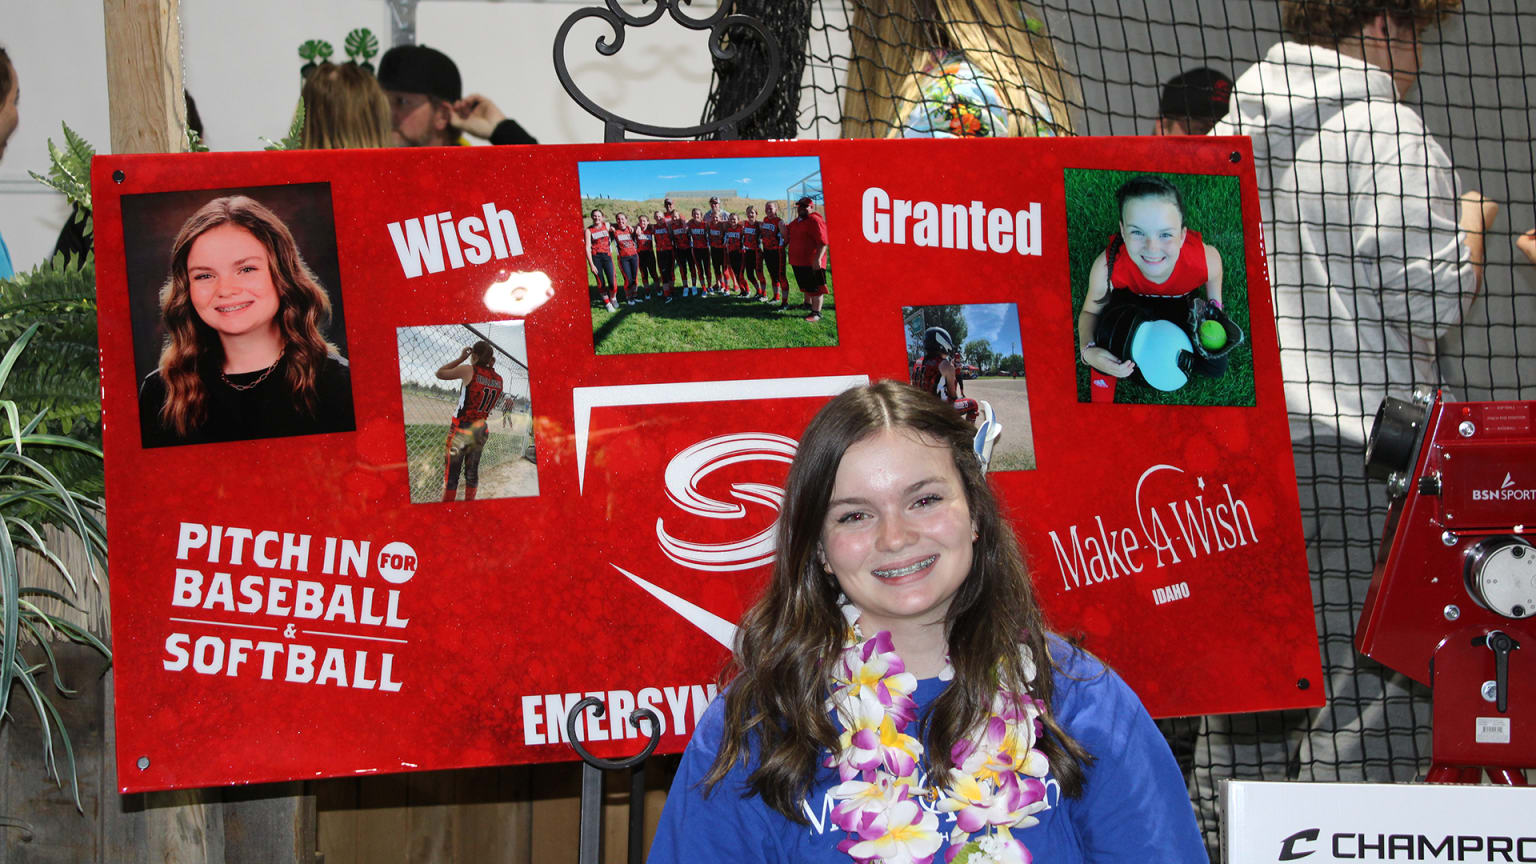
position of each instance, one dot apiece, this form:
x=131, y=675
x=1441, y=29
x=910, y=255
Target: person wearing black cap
x=1192, y=102
x=427, y=105
x=808, y=256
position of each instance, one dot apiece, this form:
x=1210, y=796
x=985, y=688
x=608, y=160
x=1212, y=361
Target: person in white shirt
x=1375, y=254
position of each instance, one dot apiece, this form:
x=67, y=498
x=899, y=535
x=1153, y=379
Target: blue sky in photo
x=641, y=179
x=997, y=323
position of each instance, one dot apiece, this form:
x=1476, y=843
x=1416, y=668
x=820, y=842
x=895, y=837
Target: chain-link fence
x=1378, y=279
x=507, y=467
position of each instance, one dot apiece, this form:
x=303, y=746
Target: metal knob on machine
x=1500, y=574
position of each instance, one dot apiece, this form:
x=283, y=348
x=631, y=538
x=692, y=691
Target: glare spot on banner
x=518, y=294
x=691, y=466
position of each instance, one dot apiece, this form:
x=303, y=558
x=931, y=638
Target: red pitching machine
x=1453, y=595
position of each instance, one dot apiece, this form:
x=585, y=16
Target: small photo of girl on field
x=1159, y=288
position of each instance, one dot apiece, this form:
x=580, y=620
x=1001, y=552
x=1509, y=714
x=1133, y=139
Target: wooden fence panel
x=506, y=815
x=266, y=824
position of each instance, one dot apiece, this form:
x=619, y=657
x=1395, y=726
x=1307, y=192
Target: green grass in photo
x=1213, y=207
x=711, y=323
x=704, y=323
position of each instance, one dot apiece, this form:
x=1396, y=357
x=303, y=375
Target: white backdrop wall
x=241, y=64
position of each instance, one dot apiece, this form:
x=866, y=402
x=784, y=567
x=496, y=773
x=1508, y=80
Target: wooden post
x=147, y=107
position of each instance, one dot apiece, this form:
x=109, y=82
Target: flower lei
x=996, y=784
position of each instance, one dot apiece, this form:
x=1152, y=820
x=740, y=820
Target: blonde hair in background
x=894, y=41
x=344, y=107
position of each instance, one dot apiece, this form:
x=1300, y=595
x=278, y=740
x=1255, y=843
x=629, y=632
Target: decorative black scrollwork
x=718, y=23
x=596, y=705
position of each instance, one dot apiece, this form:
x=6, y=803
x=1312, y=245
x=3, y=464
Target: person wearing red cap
x=427, y=105
x=808, y=255
x=1192, y=102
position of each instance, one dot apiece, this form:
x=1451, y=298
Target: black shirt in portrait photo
x=251, y=405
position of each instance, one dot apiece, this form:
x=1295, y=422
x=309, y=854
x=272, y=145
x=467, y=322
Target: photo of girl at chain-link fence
x=468, y=416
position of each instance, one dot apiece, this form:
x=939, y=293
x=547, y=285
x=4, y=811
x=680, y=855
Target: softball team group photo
x=676, y=261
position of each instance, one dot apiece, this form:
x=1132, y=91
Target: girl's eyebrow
x=837, y=502
x=237, y=261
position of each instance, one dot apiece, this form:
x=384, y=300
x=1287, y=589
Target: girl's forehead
x=1149, y=207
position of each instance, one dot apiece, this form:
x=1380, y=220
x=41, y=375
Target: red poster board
x=295, y=600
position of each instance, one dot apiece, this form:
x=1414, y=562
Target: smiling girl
x=1151, y=269
x=894, y=691
x=244, y=355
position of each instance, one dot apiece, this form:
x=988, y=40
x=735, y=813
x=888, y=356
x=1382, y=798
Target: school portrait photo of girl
x=243, y=345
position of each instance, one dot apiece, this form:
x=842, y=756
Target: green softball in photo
x=1212, y=335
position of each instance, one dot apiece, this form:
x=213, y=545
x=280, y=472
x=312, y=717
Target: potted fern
x=50, y=467
x=31, y=497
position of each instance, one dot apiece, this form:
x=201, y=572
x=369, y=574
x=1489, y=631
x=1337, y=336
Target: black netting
x=740, y=79
x=1374, y=292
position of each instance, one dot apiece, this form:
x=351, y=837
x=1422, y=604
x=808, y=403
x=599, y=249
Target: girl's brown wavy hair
x=789, y=640
x=192, y=350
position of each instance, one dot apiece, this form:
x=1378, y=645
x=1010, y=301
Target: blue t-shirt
x=1134, y=806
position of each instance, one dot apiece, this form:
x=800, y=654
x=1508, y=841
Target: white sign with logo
x=1320, y=822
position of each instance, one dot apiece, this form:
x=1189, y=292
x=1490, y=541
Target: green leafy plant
x=58, y=380
x=27, y=487
x=295, y=138
x=195, y=142
x=69, y=171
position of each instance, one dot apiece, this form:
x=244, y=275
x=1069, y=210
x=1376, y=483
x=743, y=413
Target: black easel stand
x=591, y=849
x=614, y=130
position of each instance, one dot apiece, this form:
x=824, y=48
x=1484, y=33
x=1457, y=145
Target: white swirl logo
x=683, y=475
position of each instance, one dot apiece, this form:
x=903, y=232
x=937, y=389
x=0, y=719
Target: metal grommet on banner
x=118, y=176
x=143, y=762
x=1235, y=157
